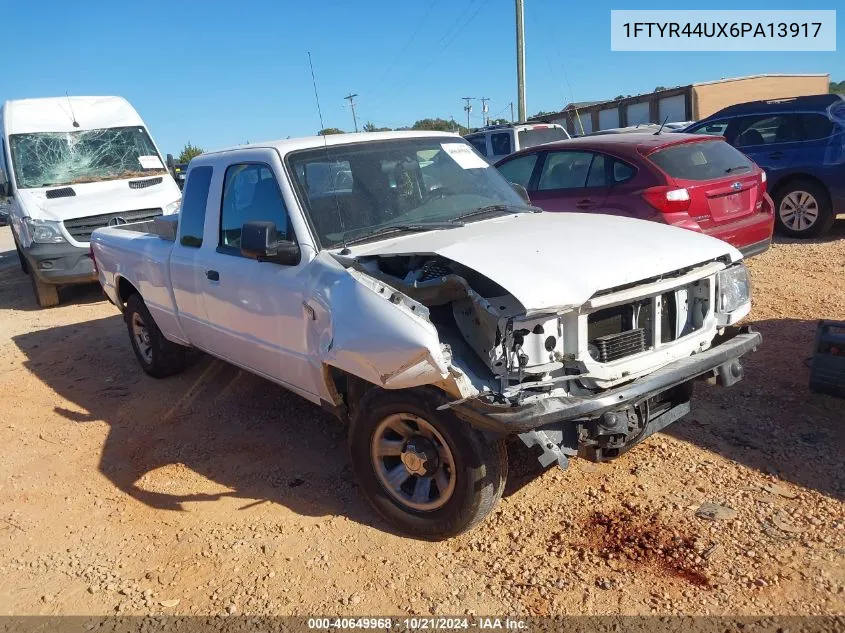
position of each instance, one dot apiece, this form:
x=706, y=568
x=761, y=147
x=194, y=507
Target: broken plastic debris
x=715, y=512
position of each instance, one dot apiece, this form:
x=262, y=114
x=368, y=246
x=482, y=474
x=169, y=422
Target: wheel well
x=793, y=178
x=125, y=290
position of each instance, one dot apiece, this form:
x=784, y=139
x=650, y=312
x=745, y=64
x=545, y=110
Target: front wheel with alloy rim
x=803, y=209
x=428, y=473
x=158, y=356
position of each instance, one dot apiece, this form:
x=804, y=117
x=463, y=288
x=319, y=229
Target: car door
x=255, y=309
x=186, y=277
x=570, y=180
x=770, y=140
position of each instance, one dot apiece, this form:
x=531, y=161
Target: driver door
x=255, y=309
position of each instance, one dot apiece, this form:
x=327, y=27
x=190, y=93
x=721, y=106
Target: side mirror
x=171, y=164
x=5, y=189
x=522, y=191
x=259, y=240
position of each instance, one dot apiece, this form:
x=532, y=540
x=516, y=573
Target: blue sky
x=221, y=73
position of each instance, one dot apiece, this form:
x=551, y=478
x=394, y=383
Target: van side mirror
x=171, y=164
x=522, y=191
x=5, y=189
x=259, y=240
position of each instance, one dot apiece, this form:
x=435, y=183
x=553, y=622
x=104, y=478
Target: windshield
x=362, y=188
x=539, y=135
x=47, y=159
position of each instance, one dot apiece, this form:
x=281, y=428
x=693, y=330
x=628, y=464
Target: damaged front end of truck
x=590, y=379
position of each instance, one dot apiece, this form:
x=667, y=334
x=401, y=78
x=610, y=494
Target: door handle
x=585, y=204
x=212, y=275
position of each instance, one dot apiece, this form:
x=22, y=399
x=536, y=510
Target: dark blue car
x=800, y=142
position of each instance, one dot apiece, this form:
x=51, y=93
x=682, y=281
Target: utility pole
x=352, y=104
x=484, y=109
x=468, y=108
x=520, y=59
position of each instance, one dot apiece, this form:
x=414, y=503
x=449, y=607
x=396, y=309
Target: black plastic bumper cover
x=60, y=263
x=509, y=419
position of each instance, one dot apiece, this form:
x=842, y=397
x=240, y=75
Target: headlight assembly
x=733, y=289
x=173, y=207
x=44, y=231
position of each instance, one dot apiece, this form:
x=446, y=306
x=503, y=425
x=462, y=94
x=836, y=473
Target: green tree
x=837, y=87
x=499, y=122
x=659, y=88
x=618, y=97
x=369, y=126
x=330, y=130
x=541, y=114
x=439, y=125
x=188, y=152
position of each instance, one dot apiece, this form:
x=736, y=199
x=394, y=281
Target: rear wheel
x=425, y=471
x=47, y=295
x=803, y=209
x=158, y=356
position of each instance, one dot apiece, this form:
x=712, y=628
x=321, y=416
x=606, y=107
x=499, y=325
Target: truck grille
x=615, y=346
x=80, y=229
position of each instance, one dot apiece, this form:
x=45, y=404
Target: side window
x=598, y=175
x=622, y=172
x=519, y=169
x=500, y=143
x=4, y=173
x=767, y=130
x=565, y=170
x=192, y=213
x=716, y=128
x=250, y=193
x=815, y=127
x=479, y=143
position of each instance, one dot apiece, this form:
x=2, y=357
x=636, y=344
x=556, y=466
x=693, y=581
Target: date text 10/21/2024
x=419, y=624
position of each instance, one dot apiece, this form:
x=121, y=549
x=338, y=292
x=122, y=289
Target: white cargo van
x=70, y=165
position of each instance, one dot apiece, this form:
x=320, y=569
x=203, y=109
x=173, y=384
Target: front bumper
x=720, y=360
x=60, y=263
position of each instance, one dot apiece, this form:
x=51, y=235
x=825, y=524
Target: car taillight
x=761, y=190
x=93, y=259
x=667, y=199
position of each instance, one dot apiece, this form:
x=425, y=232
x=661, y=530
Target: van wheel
x=22, y=260
x=47, y=295
x=158, y=356
x=803, y=209
x=425, y=471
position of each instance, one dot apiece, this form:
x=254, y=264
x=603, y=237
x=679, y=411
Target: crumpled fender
x=370, y=330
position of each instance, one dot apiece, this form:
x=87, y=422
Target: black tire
x=47, y=295
x=480, y=464
x=162, y=358
x=785, y=206
x=22, y=260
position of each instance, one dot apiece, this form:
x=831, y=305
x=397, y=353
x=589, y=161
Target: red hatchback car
x=697, y=182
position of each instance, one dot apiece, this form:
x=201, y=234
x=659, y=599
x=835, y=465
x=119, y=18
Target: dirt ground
x=216, y=492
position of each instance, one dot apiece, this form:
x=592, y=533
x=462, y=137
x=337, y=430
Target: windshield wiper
x=399, y=228
x=737, y=168
x=496, y=208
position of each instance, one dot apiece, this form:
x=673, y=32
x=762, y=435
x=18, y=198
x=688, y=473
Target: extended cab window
x=192, y=215
x=250, y=193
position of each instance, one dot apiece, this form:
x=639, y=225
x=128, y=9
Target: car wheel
x=425, y=471
x=803, y=209
x=158, y=356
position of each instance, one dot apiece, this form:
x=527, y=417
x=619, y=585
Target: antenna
x=661, y=126
x=72, y=115
x=345, y=250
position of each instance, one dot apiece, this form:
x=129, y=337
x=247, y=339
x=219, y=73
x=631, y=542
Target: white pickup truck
x=401, y=283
